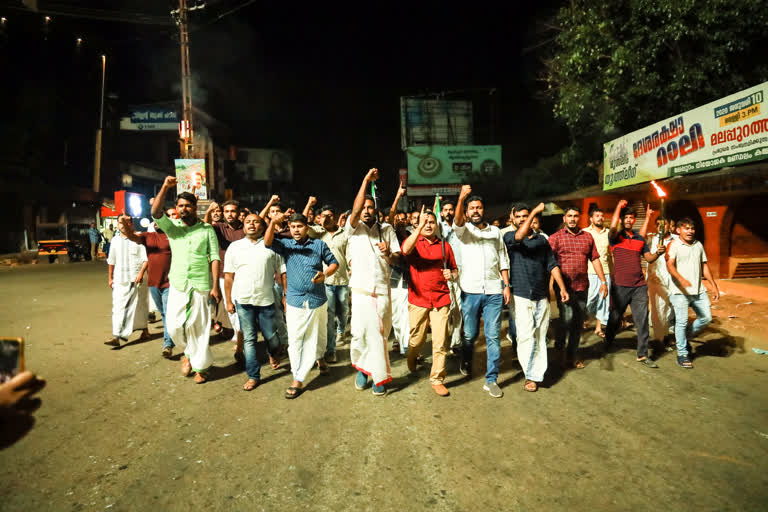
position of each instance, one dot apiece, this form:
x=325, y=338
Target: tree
x=619, y=65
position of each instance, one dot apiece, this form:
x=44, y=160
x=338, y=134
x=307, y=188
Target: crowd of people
x=299, y=279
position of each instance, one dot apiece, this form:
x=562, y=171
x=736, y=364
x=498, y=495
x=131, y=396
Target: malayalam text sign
x=730, y=131
x=441, y=165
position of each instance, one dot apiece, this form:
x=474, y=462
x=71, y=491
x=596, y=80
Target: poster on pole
x=190, y=173
x=730, y=131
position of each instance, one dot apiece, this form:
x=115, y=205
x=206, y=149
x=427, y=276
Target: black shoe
x=466, y=368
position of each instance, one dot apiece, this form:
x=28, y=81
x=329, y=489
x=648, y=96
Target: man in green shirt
x=194, y=259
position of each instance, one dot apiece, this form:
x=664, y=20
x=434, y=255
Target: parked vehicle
x=70, y=241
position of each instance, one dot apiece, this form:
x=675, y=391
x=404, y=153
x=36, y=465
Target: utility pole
x=186, y=128
x=97, y=156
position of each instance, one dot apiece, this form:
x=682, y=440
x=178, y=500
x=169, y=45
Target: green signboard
x=440, y=165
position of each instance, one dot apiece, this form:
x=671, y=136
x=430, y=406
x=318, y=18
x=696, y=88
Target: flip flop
x=295, y=394
x=274, y=362
x=251, y=384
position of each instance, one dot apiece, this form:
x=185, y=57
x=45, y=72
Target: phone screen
x=11, y=358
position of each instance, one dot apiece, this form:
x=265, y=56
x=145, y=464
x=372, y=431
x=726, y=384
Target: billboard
x=256, y=164
x=190, y=173
x=151, y=119
x=435, y=121
x=444, y=165
x=729, y=131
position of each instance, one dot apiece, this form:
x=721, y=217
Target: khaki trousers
x=420, y=319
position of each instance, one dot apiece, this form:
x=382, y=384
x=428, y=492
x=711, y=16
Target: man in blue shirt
x=95, y=237
x=306, y=309
x=531, y=260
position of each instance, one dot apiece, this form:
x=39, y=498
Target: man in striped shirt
x=629, y=286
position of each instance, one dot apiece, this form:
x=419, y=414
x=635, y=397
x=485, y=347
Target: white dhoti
x=371, y=323
x=400, y=321
x=454, y=314
x=307, y=337
x=188, y=316
x=220, y=314
x=662, y=314
x=129, y=308
x=532, y=322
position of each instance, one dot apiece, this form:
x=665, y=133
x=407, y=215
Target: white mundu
x=371, y=304
x=130, y=304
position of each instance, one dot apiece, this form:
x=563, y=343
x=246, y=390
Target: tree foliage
x=619, y=65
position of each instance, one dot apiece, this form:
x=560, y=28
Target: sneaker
x=440, y=389
x=493, y=389
x=466, y=368
x=685, y=362
x=361, y=381
x=379, y=390
x=331, y=358
x=167, y=352
x=647, y=361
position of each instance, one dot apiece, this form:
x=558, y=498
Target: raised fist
x=170, y=181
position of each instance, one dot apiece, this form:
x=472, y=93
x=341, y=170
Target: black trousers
x=637, y=297
x=572, y=315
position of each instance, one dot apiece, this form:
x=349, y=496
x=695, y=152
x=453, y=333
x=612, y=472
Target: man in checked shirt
x=574, y=248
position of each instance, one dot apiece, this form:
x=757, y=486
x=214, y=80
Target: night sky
x=321, y=81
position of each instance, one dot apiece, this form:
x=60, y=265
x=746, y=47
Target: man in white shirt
x=686, y=261
x=447, y=213
x=662, y=314
x=596, y=303
x=127, y=262
x=372, y=248
x=484, y=265
x=249, y=275
x=337, y=284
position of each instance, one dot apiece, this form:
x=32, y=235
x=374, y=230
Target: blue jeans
x=473, y=306
x=338, y=313
x=701, y=306
x=280, y=327
x=511, y=327
x=252, y=320
x=572, y=315
x=160, y=298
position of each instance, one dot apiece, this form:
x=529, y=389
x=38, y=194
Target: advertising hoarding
x=444, y=165
x=151, y=119
x=435, y=121
x=730, y=131
x=190, y=173
x=257, y=164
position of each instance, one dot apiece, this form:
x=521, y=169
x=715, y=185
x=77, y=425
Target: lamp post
x=97, y=157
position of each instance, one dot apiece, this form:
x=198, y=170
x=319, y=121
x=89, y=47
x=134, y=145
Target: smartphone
x=11, y=358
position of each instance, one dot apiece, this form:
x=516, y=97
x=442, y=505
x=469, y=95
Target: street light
x=97, y=156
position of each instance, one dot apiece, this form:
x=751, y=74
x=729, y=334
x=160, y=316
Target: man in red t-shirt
x=431, y=264
x=159, y=264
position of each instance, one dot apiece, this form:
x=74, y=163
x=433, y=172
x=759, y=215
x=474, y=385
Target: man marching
x=431, y=265
x=127, y=262
x=372, y=249
x=195, y=258
x=306, y=310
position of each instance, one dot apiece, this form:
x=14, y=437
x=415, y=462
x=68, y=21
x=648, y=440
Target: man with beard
x=431, y=266
x=272, y=209
x=574, y=249
x=686, y=263
x=159, y=264
x=517, y=216
x=306, y=309
x=596, y=303
x=531, y=261
x=195, y=258
x=484, y=265
x=249, y=274
x=227, y=231
x=127, y=262
x=337, y=284
x=629, y=286
x=372, y=249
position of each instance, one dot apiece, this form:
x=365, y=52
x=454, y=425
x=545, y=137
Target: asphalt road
x=123, y=430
